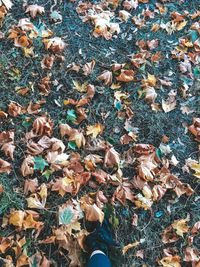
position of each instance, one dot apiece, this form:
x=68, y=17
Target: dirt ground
x=82, y=47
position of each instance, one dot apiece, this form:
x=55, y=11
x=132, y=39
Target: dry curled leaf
x=42, y=126
x=5, y=167
x=88, y=67
x=14, y=109
x=27, y=167
x=92, y=213
x=45, y=86
x=34, y=10
x=55, y=45
x=106, y=77
x=47, y=62
x=125, y=76
x=73, y=134
x=195, y=128
x=111, y=158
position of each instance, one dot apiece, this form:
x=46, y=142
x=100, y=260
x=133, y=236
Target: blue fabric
x=99, y=260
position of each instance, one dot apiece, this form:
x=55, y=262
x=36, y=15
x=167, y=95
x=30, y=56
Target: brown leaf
x=47, y=62
x=106, y=77
x=195, y=128
x=27, y=167
x=125, y=76
x=92, y=213
x=30, y=186
x=134, y=220
x=42, y=126
x=73, y=134
x=34, y=10
x=191, y=255
x=88, y=68
x=111, y=158
x=45, y=86
x=144, y=149
x=14, y=109
x=34, y=149
x=129, y=246
x=55, y=45
x=8, y=149
x=5, y=167
x=169, y=235
x=101, y=176
x=170, y=261
x=196, y=228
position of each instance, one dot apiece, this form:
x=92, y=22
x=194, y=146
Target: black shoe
x=100, y=238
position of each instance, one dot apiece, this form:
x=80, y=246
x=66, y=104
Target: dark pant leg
x=99, y=260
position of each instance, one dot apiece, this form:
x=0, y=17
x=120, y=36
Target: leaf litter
x=99, y=116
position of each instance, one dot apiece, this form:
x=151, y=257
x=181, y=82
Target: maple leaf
x=73, y=134
x=38, y=200
x=180, y=226
x=34, y=10
x=92, y=212
x=40, y=163
x=71, y=115
x=55, y=45
x=94, y=130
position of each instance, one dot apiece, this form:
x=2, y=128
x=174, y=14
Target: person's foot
x=100, y=238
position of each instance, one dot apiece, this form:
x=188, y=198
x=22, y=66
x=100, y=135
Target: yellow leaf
x=95, y=129
x=131, y=245
x=80, y=87
x=196, y=167
x=17, y=218
x=181, y=226
x=181, y=25
x=151, y=80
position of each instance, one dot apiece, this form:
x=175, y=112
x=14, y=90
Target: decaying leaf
x=34, y=10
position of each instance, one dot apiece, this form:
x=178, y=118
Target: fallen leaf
x=170, y=261
x=92, y=212
x=94, y=130
x=34, y=10
x=129, y=246
x=181, y=226
x=111, y=158
x=106, y=77
x=5, y=167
